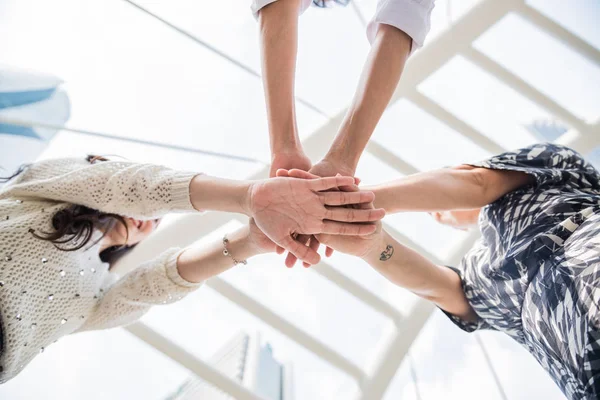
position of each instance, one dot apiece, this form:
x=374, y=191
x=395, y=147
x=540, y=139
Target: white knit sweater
x=46, y=293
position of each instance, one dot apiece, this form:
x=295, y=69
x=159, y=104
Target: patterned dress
x=535, y=273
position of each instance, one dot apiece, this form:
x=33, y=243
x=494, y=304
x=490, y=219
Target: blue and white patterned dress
x=535, y=273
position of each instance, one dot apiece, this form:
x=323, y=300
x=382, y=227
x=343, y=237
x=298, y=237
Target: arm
x=120, y=187
x=380, y=76
x=280, y=206
x=406, y=268
x=279, y=44
x=460, y=188
x=170, y=277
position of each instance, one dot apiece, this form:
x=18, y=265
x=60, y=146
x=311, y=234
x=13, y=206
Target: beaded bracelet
x=228, y=254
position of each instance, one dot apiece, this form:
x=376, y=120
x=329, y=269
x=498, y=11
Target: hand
x=259, y=241
x=359, y=246
x=282, y=207
x=309, y=240
x=289, y=160
x=327, y=167
x=459, y=219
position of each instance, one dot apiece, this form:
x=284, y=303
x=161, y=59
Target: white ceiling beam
x=358, y=291
x=457, y=38
x=524, y=88
x=287, y=328
x=455, y=123
x=391, y=159
x=560, y=33
x=393, y=351
x=200, y=368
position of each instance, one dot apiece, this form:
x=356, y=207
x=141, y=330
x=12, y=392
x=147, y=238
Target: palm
x=280, y=208
x=259, y=239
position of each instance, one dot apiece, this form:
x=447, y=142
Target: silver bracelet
x=228, y=254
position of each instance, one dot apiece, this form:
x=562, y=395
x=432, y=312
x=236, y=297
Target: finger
x=344, y=198
x=298, y=173
x=291, y=259
x=328, y=251
x=340, y=228
x=300, y=250
x=330, y=182
x=314, y=245
x=282, y=173
x=352, y=188
x=354, y=215
x=279, y=250
x=357, y=181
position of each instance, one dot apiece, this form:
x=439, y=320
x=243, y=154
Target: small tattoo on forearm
x=387, y=253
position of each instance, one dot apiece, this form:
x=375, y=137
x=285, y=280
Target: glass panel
x=482, y=101
x=402, y=385
x=149, y=83
x=362, y=273
x=70, y=144
x=319, y=51
x=580, y=17
x=447, y=13
x=450, y=364
x=312, y=303
x=204, y=322
x=594, y=157
x=371, y=170
x=423, y=141
x=545, y=63
x=109, y=364
x=439, y=240
x=517, y=369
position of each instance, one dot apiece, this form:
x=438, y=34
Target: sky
x=129, y=76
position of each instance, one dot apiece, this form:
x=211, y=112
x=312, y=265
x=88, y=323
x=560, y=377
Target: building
x=248, y=361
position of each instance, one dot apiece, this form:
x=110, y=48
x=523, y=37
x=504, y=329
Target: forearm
x=438, y=190
x=218, y=194
x=408, y=269
x=279, y=42
x=197, y=264
x=378, y=81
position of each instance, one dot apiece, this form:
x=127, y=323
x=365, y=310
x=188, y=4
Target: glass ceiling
x=192, y=82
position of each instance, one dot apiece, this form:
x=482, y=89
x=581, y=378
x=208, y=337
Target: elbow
x=484, y=187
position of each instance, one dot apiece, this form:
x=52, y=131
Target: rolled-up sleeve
x=412, y=17
x=257, y=5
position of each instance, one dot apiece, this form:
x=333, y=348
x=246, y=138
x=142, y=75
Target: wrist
x=240, y=245
x=380, y=249
x=245, y=198
x=343, y=159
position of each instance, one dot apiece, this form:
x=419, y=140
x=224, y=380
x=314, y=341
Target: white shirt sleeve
x=412, y=17
x=257, y=5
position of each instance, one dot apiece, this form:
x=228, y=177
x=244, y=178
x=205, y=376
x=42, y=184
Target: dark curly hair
x=75, y=225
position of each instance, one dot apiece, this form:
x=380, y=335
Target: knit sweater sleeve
x=129, y=298
x=120, y=187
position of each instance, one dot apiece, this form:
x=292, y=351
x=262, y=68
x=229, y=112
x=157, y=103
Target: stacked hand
x=345, y=191
x=284, y=207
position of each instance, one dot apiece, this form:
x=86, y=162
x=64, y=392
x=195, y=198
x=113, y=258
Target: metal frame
x=457, y=40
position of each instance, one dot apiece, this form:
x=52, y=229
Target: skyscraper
x=251, y=363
